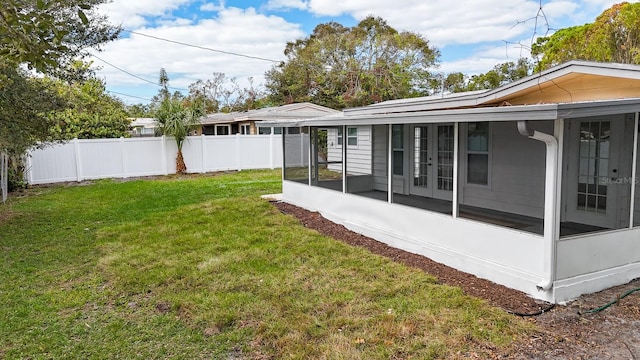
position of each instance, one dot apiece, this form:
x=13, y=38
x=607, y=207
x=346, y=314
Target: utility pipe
x=550, y=196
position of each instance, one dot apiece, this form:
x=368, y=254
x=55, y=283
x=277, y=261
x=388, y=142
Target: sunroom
x=532, y=185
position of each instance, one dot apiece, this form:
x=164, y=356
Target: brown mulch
x=563, y=332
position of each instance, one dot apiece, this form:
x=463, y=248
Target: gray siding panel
x=517, y=172
x=380, y=178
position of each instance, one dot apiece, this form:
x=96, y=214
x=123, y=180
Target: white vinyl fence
x=80, y=160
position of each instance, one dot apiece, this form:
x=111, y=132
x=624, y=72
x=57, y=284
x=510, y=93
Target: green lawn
x=202, y=268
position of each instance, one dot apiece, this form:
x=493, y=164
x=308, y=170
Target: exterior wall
x=517, y=168
x=359, y=160
x=593, y=262
x=505, y=256
x=380, y=154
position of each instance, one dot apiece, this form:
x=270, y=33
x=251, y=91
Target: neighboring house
x=532, y=185
x=244, y=122
x=143, y=126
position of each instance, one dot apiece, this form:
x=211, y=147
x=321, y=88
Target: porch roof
x=475, y=114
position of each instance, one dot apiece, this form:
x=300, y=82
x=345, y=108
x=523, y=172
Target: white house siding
x=517, y=172
x=593, y=262
x=359, y=157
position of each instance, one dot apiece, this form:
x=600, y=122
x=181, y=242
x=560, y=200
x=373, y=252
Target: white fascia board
x=506, y=113
x=418, y=105
x=598, y=108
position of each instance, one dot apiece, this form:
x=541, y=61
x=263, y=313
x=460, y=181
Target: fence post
x=165, y=168
x=238, y=155
x=123, y=158
x=271, y=164
x=28, y=170
x=76, y=146
x=204, y=154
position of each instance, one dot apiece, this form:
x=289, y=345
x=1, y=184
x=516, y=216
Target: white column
x=390, y=162
x=456, y=152
x=344, y=159
x=634, y=172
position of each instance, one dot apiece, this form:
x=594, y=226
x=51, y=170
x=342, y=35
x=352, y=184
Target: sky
x=472, y=35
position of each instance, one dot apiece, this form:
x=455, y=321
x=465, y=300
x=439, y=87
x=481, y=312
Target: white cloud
x=286, y=4
x=212, y=6
x=451, y=22
x=133, y=14
x=227, y=31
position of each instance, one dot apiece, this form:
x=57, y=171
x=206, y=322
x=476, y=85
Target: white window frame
x=352, y=137
x=467, y=152
x=245, y=129
x=228, y=127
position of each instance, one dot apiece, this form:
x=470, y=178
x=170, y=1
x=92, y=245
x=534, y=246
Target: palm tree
x=177, y=120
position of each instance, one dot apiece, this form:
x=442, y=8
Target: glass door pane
x=421, y=160
x=445, y=157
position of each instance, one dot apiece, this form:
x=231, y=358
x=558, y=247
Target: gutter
x=550, y=193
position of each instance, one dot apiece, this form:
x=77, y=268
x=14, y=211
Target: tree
x=338, y=66
x=177, y=120
x=501, y=74
x=613, y=37
x=139, y=110
x=89, y=112
x=48, y=35
x=176, y=117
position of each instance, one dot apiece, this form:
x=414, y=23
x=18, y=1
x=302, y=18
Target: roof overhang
x=479, y=114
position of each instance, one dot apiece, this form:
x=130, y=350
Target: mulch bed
x=563, y=332
x=511, y=300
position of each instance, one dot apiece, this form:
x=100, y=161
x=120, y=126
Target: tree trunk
x=181, y=167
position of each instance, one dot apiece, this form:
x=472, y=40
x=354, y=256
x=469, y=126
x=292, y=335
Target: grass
x=200, y=267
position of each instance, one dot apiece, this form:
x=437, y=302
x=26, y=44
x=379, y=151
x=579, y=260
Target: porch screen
x=296, y=156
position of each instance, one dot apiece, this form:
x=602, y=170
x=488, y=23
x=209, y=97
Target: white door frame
x=608, y=216
x=432, y=162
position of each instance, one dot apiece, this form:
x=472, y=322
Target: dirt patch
x=564, y=331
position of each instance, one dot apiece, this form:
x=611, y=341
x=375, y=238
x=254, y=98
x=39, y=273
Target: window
x=245, y=129
x=277, y=130
x=397, y=139
x=264, y=130
x=478, y=153
x=223, y=129
x=293, y=130
x=352, y=136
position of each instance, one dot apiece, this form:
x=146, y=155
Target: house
x=532, y=185
x=143, y=126
x=244, y=122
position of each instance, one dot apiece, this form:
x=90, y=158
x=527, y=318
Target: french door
x=592, y=171
x=432, y=161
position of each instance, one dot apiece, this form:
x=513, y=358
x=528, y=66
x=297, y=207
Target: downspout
x=550, y=191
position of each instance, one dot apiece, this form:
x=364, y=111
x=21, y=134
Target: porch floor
x=513, y=221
